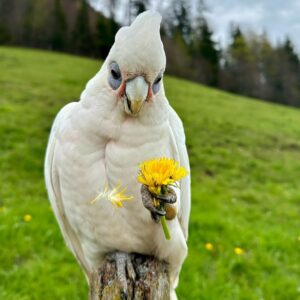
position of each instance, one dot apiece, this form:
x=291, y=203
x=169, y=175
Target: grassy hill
x=245, y=158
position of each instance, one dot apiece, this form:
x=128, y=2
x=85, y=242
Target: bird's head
x=135, y=65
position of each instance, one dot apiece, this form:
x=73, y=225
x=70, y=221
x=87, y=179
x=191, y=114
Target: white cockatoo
x=122, y=119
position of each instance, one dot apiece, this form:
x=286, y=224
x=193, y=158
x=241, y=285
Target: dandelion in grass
x=27, y=218
x=116, y=196
x=157, y=175
x=239, y=251
x=209, y=246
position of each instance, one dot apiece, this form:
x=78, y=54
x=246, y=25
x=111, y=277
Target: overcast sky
x=278, y=18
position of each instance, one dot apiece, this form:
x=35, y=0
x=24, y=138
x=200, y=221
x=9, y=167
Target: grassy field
x=245, y=158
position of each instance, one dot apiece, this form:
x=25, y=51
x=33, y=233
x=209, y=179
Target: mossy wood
x=151, y=281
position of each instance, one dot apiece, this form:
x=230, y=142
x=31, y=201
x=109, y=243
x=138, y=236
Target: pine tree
x=266, y=61
x=288, y=74
x=203, y=49
x=106, y=31
x=208, y=51
x=240, y=71
x=82, y=41
x=59, y=27
x=183, y=20
x=6, y=6
x=27, y=24
x=4, y=34
x=138, y=6
x=289, y=51
x=113, y=4
x=238, y=49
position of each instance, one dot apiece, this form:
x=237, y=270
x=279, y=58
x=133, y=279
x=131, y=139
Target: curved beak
x=136, y=92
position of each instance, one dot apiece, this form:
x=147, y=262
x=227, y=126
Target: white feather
x=185, y=183
x=53, y=188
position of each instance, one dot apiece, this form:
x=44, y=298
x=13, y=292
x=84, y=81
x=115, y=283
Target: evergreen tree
x=183, y=20
x=59, y=27
x=207, y=51
x=289, y=51
x=6, y=6
x=208, y=46
x=135, y=7
x=241, y=73
x=138, y=6
x=27, y=24
x=266, y=61
x=82, y=38
x=4, y=34
x=112, y=8
x=239, y=49
x=288, y=74
x=106, y=31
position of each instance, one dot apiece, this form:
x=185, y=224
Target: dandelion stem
x=165, y=227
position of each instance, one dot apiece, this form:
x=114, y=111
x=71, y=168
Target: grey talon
x=121, y=271
x=155, y=217
x=158, y=212
x=130, y=269
x=170, y=197
x=124, y=263
x=147, y=199
x=124, y=295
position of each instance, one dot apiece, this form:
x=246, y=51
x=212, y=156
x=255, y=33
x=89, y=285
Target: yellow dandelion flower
x=239, y=251
x=116, y=196
x=209, y=246
x=159, y=172
x=27, y=218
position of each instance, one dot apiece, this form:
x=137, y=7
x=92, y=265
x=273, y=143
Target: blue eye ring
x=115, y=77
x=156, y=84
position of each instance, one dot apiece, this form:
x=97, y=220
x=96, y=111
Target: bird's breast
x=135, y=145
x=87, y=169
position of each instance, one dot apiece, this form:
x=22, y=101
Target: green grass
x=245, y=158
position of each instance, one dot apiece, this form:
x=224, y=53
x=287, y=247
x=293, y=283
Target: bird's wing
x=185, y=184
x=53, y=187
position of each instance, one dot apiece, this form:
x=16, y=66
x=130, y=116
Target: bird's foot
x=153, y=202
x=169, y=197
x=124, y=265
x=149, y=202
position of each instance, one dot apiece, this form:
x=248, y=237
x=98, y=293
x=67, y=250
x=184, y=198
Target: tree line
x=250, y=65
x=61, y=25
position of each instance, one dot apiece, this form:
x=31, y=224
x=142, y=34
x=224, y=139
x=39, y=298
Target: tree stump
x=151, y=280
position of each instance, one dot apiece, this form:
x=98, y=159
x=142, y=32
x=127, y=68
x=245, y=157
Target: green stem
x=165, y=228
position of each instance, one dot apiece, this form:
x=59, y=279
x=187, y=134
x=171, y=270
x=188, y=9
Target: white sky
x=278, y=18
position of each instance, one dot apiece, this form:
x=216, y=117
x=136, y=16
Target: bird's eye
x=115, y=77
x=156, y=84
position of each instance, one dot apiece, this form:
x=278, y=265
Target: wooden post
x=151, y=281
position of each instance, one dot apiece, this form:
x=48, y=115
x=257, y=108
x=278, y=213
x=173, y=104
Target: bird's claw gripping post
x=123, y=264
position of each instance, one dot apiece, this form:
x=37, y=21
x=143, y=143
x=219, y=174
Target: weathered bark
x=151, y=280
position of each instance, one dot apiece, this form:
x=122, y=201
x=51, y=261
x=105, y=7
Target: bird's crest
x=145, y=25
x=140, y=43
